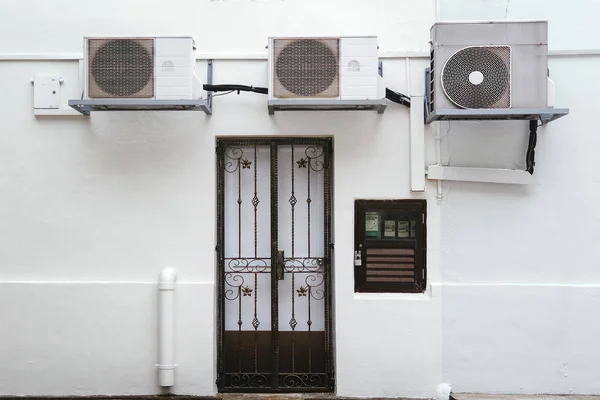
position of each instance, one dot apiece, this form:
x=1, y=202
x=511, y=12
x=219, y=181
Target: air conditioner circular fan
x=122, y=67
x=478, y=77
x=306, y=67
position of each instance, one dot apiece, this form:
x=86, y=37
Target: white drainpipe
x=166, y=327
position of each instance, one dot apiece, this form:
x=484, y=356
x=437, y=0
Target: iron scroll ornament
x=302, y=380
x=248, y=265
x=304, y=264
x=247, y=380
x=235, y=282
x=313, y=155
x=235, y=161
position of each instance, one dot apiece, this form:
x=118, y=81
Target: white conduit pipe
x=166, y=327
x=388, y=55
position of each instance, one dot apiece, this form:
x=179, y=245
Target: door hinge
x=423, y=218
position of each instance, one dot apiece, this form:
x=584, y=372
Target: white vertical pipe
x=166, y=327
x=417, y=144
x=416, y=135
x=408, y=82
x=438, y=159
x=438, y=133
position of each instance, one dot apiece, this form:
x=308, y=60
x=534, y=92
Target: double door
x=274, y=265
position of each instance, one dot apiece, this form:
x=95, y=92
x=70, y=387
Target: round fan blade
x=306, y=67
x=122, y=67
x=478, y=77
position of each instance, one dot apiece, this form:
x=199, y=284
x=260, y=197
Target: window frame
x=412, y=208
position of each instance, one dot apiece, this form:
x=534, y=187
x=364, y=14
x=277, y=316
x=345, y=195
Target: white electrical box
x=46, y=92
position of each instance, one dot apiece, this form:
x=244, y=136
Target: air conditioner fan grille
x=306, y=68
x=121, y=68
x=491, y=90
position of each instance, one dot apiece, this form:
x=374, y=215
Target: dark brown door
x=274, y=264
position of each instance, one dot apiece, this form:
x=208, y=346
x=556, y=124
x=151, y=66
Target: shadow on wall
x=141, y=143
x=484, y=144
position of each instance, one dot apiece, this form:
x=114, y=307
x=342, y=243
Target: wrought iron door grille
x=274, y=286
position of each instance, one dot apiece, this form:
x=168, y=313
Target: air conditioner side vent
x=431, y=82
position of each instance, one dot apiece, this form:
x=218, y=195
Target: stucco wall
x=519, y=263
x=93, y=208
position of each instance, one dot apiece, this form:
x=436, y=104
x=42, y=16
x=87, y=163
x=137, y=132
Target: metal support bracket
x=326, y=105
x=85, y=107
x=209, y=80
x=491, y=175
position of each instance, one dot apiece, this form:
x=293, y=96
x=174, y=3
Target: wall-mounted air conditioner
x=151, y=68
x=322, y=70
x=491, y=65
x=490, y=70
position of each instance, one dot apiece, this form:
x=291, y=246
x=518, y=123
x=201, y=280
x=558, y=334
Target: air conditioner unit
x=489, y=65
x=159, y=68
x=324, y=68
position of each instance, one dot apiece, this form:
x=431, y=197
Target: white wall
x=93, y=208
x=519, y=264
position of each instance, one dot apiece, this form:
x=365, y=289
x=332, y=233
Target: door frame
x=274, y=142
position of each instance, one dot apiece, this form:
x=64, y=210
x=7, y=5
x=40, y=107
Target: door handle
x=280, y=262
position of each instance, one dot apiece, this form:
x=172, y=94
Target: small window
x=390, y=246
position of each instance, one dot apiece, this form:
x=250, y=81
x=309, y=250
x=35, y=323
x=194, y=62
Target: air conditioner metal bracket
x=325, y=105
x=85, y=107
x=491, y=175
x=544, y=115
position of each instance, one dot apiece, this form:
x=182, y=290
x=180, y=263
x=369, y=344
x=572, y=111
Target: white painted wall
x=519, y=264
x=93, y=208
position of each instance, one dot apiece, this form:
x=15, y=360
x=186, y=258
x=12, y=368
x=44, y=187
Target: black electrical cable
x=235, y=88
x=389, y=94
x=530, y=157
x=397, y=97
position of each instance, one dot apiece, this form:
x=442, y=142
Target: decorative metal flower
x=302, y=162
x=246, y=163
x=247, y=291
x=302, y=291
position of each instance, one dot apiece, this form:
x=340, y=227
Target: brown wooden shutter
x=390, y=265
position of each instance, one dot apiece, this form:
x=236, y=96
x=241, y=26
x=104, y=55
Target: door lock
x=358, y=256
x=357, y=259
x=280, y=262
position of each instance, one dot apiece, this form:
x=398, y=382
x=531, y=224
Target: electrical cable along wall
x=391, y=95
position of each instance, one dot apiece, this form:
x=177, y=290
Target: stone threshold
x=220, y=396
x=490, y=396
